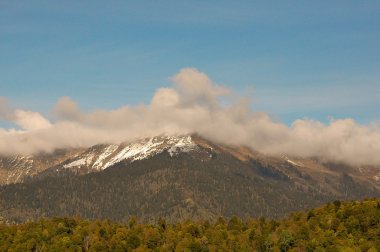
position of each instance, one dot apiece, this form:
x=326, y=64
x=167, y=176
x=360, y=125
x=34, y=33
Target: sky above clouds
x=193, y=104
x=294, y=60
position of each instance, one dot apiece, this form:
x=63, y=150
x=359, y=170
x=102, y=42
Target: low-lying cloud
x=194, y=104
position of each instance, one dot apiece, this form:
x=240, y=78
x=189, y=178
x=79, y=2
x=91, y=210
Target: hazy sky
x=296, y=59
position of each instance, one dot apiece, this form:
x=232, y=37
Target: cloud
x=193, y=104
x=26, y=120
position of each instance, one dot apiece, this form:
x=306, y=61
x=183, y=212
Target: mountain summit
x=15, y=169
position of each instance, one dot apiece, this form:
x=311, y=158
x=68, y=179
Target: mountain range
x=173, y=177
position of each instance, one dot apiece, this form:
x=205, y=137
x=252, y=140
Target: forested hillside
x=337, y=226
x=178, y=188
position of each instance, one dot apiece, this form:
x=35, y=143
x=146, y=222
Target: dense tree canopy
x=338, y=226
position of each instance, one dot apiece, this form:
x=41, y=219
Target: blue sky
x=296, y=59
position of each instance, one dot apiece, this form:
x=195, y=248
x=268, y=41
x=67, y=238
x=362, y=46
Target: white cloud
x=26, y=120
x=191, y=105
x=29, y=120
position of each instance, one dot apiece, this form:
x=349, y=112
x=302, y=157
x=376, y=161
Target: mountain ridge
x=180, y=178
x=13, y=169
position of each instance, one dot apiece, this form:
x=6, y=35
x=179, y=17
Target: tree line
x=337, y=226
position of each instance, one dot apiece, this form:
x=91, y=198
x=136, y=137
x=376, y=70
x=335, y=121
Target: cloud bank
x=194, y=104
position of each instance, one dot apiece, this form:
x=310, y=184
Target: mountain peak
x=100, y=157
x=14, y=169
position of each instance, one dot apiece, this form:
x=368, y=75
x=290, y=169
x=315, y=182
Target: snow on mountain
x=291, y=161
x=185, y=144
x=21, y=165
x=15, y=169
x=102, y=157
x=96, y=158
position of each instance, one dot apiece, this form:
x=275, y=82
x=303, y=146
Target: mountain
x=16, y=169
x=176, y=177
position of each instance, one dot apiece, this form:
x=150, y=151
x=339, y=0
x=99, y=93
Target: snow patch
x=144, y=148
x=183, y=145
x=107, y=152
x=376, y=177
x=292, y=162
x=136, y=151
x=86, y=160
x=76, y=163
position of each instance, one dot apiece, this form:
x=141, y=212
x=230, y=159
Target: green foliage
x=286, y=241
x=341, y=226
